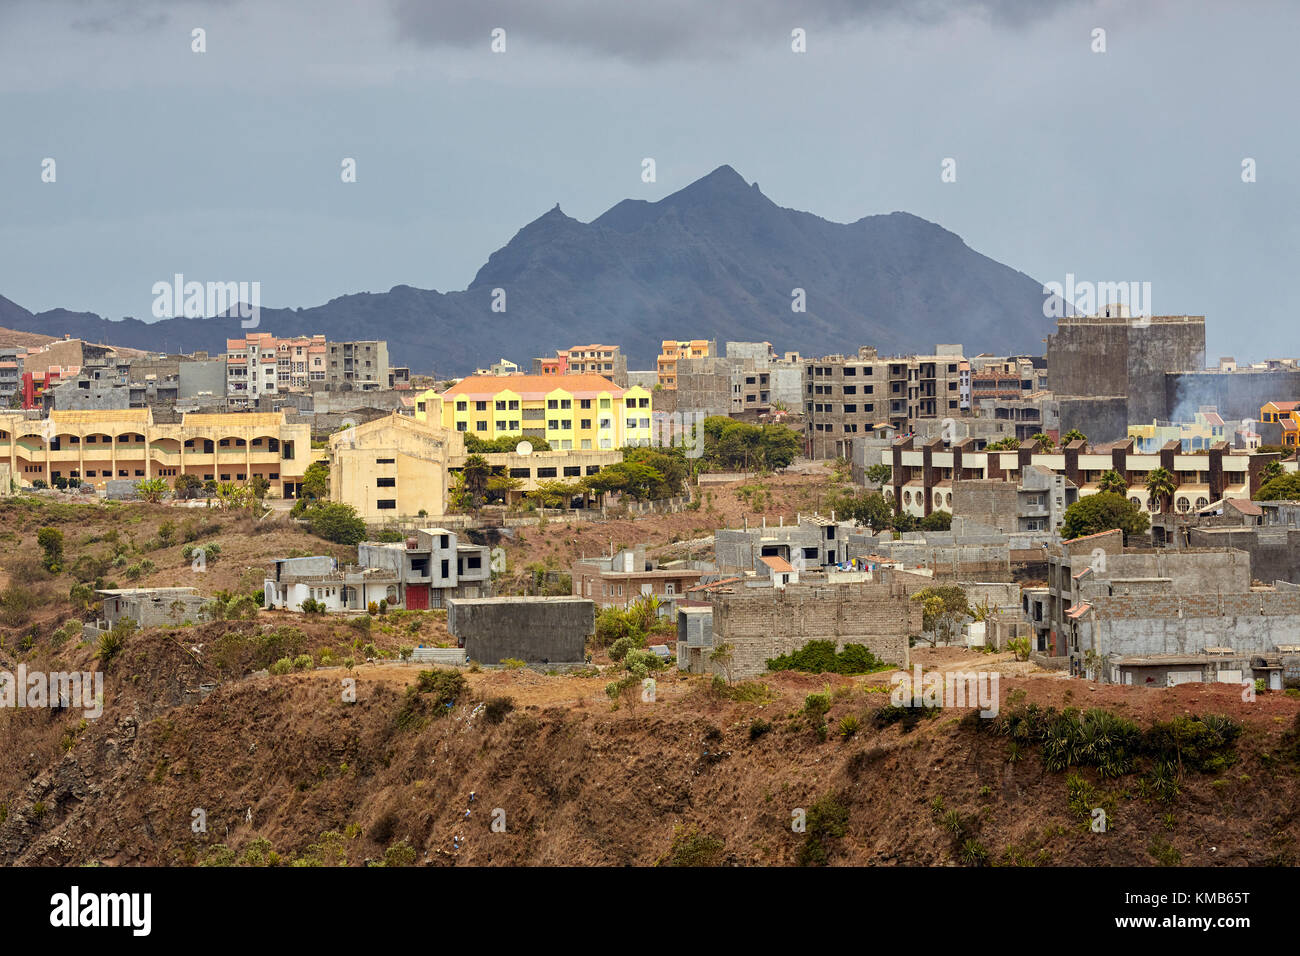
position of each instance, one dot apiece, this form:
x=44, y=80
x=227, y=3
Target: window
x=520, y=473
x=385, y=482
x=480, y=406
x=386, y=504
x=461, y=426
x=546, y=473
x=553, y=424
x=480, y=426
x=462, y=406
x=385, y=461
x=566, y=403
x=501, y=424
x=585, y=423
x=585, y=403
x=604, y=403
x=552, y=403
x=501, y=405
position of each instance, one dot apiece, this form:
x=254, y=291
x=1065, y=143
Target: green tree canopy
x=1284, y=488
x=1104, y=511
x=336, y=522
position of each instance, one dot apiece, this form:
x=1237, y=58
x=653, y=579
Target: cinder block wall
x=760, y=626
x=538, y=630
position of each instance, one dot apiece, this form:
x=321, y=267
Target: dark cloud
x=672, y=29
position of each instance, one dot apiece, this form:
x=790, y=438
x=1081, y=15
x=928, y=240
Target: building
x=813, y=541
x=624, y=578
x=671, y=350
x=1286, y=416
x=1036, y=502
x=99, y=446
x=393, y=467
x=763, y=622
x=537, y=630
x=425, y=571
x=845, y=398
x=1237, y=391
x=396, y=467
x=921, y=478
x=1125, y=358
x=500, y=367
x=607, y=361
x=150, y=607
x=360, y=366
x=1116, y=612
x=572, y=412
x=11, y=372
x=1205, y=429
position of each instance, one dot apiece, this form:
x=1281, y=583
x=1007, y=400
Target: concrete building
x=607, y=361
x=361, y=366
x=536, y=630
x=624, y=578
x=1037, y=502
x=1237, y=391
x=425, y=571
x=572, y=412
x=1206, y=428
x=99, y=446
x=393, y=467
x=11, y=372
x=150, y=607
x=1117, y=356
x=763, y=622
x=845, y=398
x=672, y=349
x=813, y=541
x=1110, y=609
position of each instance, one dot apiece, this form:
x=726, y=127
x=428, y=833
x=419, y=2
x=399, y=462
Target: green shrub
x=820, y=657
x=849, y=725
x=283, y=666
x=496, y=708
x=827, y=820
x=758, y=727
x=302, y=662
x=690, y=847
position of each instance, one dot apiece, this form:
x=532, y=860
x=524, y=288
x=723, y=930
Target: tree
x=944, y=609
x=1104, y=511
x=152, y=489
x=1045, y=440
x=474, y=481
x=499, y=488
x=336, y=522
x=879, y=474
x=502, y=443
x=724, y=656
x=1073, y=435
x=778, y=446
x=231, y=495
x=937, y=521
x=670, y=463
x=1272, y=470
x=1003, y=444
x=555, y=493
x=1113, y=482
x=1161, y=487
x=51, y=542
x=1285, y=488
x=259, y=486
x=869, y=507
x=316, y=480
x=187, y=486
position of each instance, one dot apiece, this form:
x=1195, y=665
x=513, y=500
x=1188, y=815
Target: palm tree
x=1073, y=435
x=1045, y=440
x=1112, y=481
x=1272, y=470
x=1161, y=487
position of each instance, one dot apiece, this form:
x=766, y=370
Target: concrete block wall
x=763, y=624
x=1255, y=622
x=534, y=629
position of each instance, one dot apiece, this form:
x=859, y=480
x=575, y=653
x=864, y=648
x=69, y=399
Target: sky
x=1122, y=165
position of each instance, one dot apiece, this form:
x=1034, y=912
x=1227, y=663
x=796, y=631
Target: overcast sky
x=225, y=165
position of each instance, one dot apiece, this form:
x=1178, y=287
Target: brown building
x=622, y=579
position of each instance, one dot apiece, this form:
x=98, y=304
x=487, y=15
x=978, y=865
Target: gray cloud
x=682, y=29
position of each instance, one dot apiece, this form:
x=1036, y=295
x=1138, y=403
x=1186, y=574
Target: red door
x=417, y=598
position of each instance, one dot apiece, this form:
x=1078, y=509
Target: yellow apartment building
x=572, y=412
x=671, y=350
x=104, y=445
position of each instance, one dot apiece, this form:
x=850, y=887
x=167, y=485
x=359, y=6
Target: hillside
x=284, y=764
x=717, y=259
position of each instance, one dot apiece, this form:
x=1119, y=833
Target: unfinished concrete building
x=846, y=397
x=812, y=541
x=760, y=623
x=1037, y=502
x=1117, y=356
x=536, y=630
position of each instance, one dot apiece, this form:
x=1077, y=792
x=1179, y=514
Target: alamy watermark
x=60, y=689
x=198, y=300
x=1129, y=299
x=952, y=689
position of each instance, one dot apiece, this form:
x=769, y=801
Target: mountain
x=717, y=259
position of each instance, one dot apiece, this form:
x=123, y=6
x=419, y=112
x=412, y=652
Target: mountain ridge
x=715, y=259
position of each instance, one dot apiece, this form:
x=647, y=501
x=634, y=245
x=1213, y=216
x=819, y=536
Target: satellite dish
x=524, y=448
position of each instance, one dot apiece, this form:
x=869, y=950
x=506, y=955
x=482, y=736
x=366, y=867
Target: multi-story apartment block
x=922, y=477
x=572, y=412
x=100, y=446
x=848, y=397
x=252, y=368
x=502, y=366
x=361, y=365
x=671, y=350
x=607, y=361
x=1206, y=429
x=624, y=578
x=11, y=372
